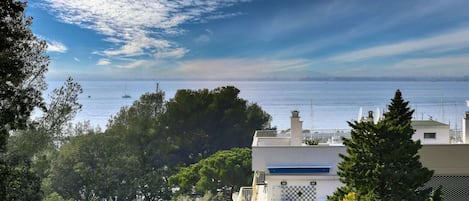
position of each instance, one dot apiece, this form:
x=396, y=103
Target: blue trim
x=298, y=170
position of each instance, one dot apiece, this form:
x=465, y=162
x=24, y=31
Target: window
x=429, y=135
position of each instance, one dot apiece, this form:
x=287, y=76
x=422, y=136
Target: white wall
x=442, y=134
x=444, y=159
x=272, y=141
x=465, y=126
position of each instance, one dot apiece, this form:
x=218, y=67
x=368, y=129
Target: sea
x=322, y=104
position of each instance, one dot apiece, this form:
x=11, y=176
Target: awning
x=298, y=169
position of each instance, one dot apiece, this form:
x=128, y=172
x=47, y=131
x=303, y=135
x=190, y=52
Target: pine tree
x=382, y=161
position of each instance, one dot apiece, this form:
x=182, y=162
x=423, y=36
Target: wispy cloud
x=242, y=68
x=445, y=42
x=172, y=54
x=219, y=15
x=56, y=46
x=134, y=64
x=205, y=37
x=103, y=62
x=138, y=27
x=76, y=59
x=453, y=65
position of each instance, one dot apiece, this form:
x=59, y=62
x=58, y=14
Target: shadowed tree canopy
x=23, y=63
x=227, y=169
x=382, y=161
x=96, y=166
x=149, y=141
x=202, y=122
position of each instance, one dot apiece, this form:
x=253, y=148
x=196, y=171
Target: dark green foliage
x=48, y=130
x=203, y=122
x=61, y=110
x=23, y=184
x=126, y=161
x=22, y=66
x=437, y=195
x=39, y=140
x=229, y=169
x=96, y=166
x=382, y=161
x=151, y=140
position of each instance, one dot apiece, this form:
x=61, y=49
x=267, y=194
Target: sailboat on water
x=125, y=93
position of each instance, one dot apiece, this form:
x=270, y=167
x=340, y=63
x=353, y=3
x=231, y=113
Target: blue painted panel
x=299, y=170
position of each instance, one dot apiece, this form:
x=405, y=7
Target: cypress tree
x=382, y=161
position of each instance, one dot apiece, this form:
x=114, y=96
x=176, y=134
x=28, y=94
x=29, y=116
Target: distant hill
x=433, y=79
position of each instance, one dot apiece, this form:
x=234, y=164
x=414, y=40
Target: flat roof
x=427, y=123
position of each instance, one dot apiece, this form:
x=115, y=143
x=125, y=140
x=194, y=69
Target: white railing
x=245, y=194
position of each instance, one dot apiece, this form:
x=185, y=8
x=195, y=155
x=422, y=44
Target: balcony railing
x=245, y=194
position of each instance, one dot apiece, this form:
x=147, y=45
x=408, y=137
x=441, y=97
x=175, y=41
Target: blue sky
x=265, y=39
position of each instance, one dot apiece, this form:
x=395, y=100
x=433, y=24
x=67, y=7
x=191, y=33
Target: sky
x=252, y=39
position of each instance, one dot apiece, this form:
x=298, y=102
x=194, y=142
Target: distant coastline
x=432, y=79
x=322, y=78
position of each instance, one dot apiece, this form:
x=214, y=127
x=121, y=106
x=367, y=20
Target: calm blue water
x=322, y=105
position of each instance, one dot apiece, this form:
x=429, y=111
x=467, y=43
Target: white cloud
x=134, y=64
x=444, y=42
x=76, y=59
x=204, y=38
x=136, y=26
x=103, y=62
x=172, y=54
x=56, y=46
x=223, y=15
x=243, y=68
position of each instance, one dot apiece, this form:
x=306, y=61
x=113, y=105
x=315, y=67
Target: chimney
x=465, y=126
x=370, y=116
x=296, y=129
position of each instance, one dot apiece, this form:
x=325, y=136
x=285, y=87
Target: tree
x=54, y=197
x=61, y=110
x=23, y=63
x=382, y=161
x=224, y=170
x=139, y=129
x=203, y=122
x=147, y=142
x=96, y=165
x=51, y=127
x=31, y=150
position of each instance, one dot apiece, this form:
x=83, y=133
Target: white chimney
x=296, y=136
x=465, y=126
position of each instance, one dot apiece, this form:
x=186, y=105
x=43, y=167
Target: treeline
x=142, y=153
x=151, y=140
x=145, y=146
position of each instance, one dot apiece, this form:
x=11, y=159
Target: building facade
x=288, y=168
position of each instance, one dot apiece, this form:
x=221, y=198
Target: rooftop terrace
x=283, y=138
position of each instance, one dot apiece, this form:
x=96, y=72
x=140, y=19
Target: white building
x=431, y=132
x=285, y=168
